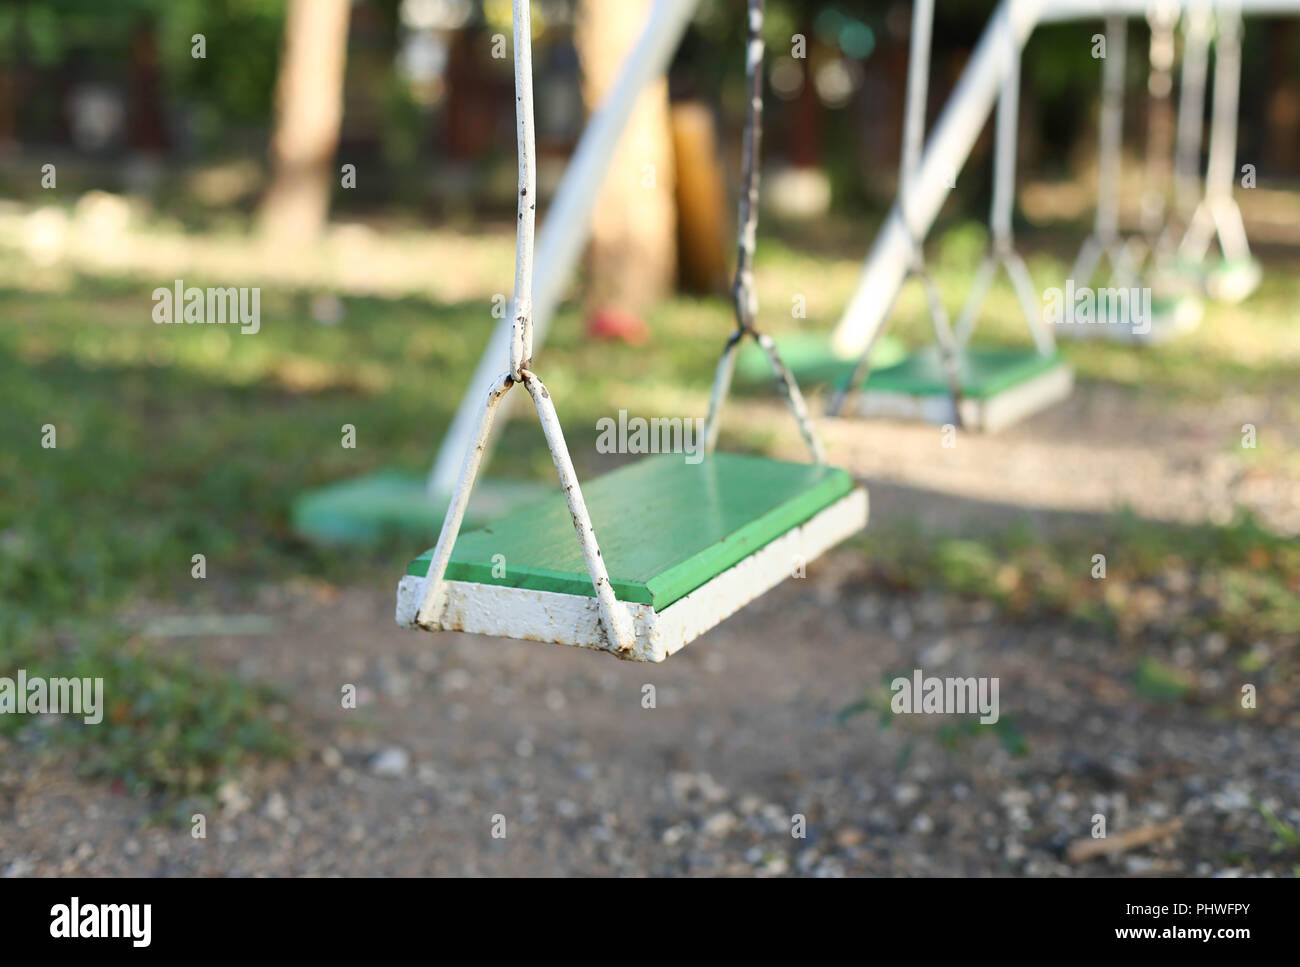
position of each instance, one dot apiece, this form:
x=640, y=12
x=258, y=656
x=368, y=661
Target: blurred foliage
x=232, y=85
x=221, y=105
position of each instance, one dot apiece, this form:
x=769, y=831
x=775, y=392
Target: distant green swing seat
x=386, y=503
x=999, y=387
x=812, y=359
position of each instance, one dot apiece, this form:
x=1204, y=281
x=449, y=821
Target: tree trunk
x=632, y=257
x=702, y=216
x=309, y=109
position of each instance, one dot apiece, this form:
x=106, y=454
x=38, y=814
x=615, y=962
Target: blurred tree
x=146, y=46
x=633, y=253
x=309, y=110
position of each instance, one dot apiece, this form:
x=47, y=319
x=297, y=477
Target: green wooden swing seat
x=666, y=527
x=685, y=545
x=998, y=387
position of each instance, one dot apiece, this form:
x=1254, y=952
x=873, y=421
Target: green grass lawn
x=179, y=440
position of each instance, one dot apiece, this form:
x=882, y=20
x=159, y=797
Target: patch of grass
x=1285, y=837
x=1156, y=680
x=1238, y=580
x=168, y=724
x=952, y=734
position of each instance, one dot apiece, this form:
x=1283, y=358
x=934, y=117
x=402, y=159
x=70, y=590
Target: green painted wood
x=984, y=372
x=810, y=359
x=665, y=527
x=379, y=505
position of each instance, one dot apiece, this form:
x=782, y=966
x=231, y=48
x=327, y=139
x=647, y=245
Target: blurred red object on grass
x=613, y=324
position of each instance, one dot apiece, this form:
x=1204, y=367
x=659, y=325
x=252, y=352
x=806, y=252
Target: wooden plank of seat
x=666, y=527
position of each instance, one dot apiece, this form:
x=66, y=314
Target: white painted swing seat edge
x=571, y=619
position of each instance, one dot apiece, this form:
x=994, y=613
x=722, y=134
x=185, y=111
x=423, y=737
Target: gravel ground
x=456, y=735
x=454, y=731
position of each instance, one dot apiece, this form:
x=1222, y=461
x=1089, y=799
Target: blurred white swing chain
x=1217, y=212
x=1002, y=246
x=744, y=296
x=918, y=85
x=1104, y=239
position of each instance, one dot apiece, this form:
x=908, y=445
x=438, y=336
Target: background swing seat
x=812, y=359
x=999, y=387
x=389, y=502
x=686, y=546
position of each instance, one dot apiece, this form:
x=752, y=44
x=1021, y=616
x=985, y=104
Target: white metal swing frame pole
x=1218, y=211
x=568, y=221
x=619, y=629
x=918, y=92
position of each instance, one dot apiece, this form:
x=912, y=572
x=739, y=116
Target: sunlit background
x=128, y=161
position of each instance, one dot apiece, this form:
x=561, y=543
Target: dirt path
x=453, y=731
x=1102, y=450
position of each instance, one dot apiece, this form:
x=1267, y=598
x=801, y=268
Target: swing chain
x=619, y=630
x=743, y=293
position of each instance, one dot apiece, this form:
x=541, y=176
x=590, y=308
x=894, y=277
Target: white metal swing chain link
x=521, y=343
x=744, y=296
x=619, y=629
